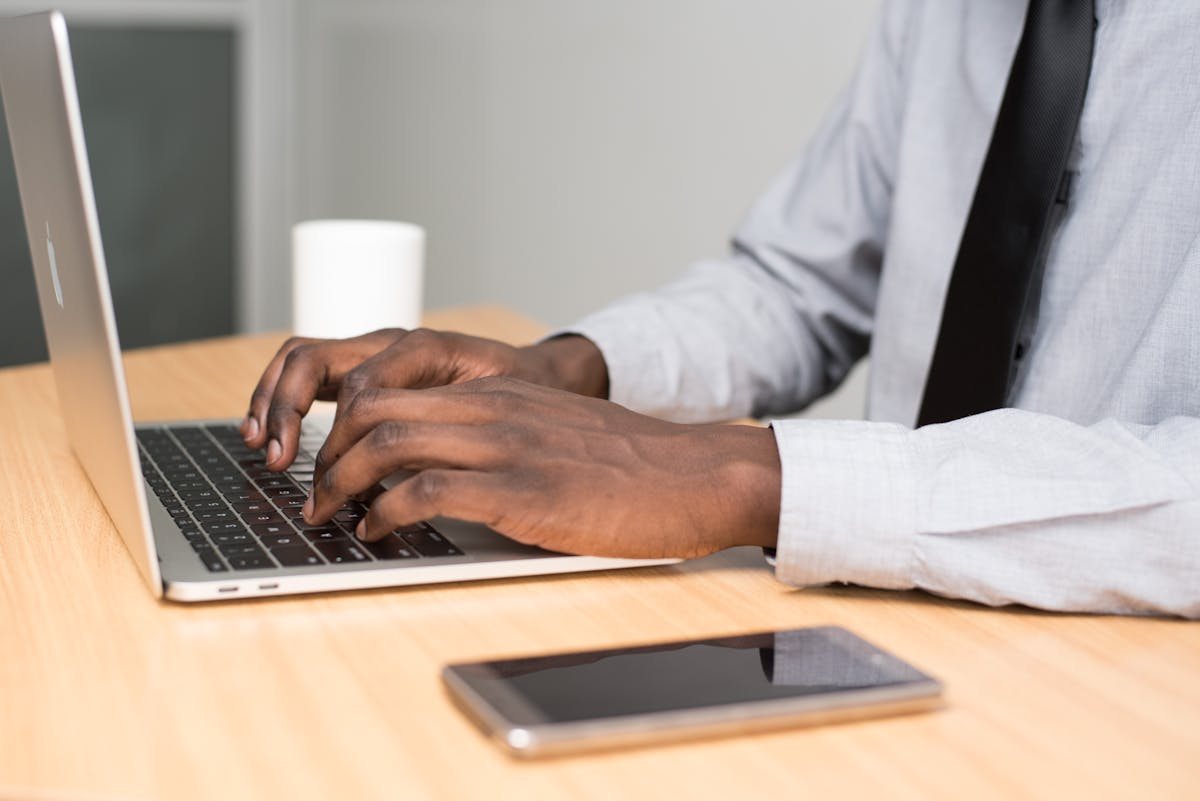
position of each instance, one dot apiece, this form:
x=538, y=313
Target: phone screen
x=685, y=675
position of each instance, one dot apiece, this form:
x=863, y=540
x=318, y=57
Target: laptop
x=198, y=511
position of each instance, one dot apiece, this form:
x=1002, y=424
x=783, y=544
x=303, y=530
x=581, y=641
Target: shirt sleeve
x=1004, y=507
x=783, y=318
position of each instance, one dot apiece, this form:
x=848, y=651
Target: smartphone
x=554, y=704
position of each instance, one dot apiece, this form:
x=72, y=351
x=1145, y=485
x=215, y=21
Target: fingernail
x=251, y=427
x=308, y=509
x=274, y=451
x=360, y=530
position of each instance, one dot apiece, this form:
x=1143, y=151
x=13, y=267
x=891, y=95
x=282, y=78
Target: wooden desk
x=106, y=693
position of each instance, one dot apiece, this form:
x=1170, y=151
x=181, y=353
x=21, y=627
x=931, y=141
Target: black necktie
x=1005, y=229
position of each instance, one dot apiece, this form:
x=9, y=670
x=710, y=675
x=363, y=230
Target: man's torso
x=1117, y=330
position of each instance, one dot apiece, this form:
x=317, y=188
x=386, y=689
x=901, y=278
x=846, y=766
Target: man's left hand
x=550, y=468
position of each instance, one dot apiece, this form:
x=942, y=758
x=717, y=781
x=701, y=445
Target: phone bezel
x=524, y=730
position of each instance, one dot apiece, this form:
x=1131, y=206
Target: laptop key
x=282, y=540
x=223, y=430
x=198, y=494
x=239, y=550
x=390, y=547
x=253, y=507
x=429, y=542
x=274, y=480
x=251, y=562
x=341, y=552
x=211, y=560
x=290, y=491
x=177, y=473
x=350, y=517
x=324, y=534
x=200, y=544
x=263, y=518
x=214, y=527
x=208, y=463
x=236, y=486
x=269, y=529
x=232, y=537
x=296, y=556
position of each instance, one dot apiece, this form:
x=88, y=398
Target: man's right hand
x=305, y=370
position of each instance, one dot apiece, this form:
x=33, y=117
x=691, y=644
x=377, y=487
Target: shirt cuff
x=848, y=503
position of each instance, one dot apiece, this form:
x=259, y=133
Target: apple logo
x=53, y=268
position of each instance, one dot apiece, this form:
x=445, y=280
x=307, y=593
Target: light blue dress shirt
x=1083, y=496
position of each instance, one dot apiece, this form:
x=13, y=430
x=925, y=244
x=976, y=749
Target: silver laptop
x=198, y=511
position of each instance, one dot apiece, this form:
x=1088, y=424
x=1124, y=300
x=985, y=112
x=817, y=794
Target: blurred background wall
x=560, y=152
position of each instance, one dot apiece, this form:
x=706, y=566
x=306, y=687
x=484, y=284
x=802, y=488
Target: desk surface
x=106, y=693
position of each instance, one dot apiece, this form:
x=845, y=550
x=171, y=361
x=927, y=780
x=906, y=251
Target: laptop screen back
x=42, y=109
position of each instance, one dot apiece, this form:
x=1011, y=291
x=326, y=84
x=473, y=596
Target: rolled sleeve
x=1004, y=507
x=638, y=377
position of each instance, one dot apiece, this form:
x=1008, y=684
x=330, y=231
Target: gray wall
x=560, y=152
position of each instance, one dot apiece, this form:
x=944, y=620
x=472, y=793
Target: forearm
x=725, y=340
x=1006, y=507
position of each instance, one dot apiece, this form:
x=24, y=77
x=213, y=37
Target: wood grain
x=106, y=693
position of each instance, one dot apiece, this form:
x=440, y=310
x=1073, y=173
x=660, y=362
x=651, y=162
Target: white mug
x=354, y=276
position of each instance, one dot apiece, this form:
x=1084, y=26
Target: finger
x=310, y=370
x=394, y=445
x=463, y=494
x=458, y=404
x=253, y=428
x=420, y=358
x=423, y=359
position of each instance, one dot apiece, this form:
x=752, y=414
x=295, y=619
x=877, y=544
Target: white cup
x=354, y=276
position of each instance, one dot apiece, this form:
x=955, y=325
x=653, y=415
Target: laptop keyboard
x=238, y=515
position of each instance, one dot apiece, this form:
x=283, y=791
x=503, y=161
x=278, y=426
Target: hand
x=551, y=468
x=304, y=370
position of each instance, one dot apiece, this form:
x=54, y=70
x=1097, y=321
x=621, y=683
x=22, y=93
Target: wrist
x=571, y=362
x=752, y=480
